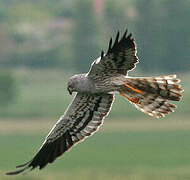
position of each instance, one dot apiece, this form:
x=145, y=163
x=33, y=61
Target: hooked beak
x=70, y=90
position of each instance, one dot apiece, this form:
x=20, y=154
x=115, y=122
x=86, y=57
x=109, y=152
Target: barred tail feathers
x=151, y=95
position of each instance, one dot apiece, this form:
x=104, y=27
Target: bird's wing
x=82, y=118
x=119, y=59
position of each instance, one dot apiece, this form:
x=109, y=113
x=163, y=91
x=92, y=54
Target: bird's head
x=71, y=85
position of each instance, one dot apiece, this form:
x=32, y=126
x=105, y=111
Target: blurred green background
x=43, y=43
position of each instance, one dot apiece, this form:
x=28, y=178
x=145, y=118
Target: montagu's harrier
x=95, y=95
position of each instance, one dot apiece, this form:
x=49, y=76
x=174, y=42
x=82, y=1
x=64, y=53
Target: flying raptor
x=94, y=97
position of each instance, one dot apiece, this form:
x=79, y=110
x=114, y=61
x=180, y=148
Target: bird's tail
x=151, y=95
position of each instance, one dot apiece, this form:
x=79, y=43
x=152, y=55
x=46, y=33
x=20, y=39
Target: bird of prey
x=95, y=94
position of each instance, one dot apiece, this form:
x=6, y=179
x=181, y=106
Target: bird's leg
x=134, y=89
x=133, y=100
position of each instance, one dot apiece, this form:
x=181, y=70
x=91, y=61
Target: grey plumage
x=108, y=74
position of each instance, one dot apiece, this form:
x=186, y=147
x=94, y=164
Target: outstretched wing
x=83, y=117
x=119, y=59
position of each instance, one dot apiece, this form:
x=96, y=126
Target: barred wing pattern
x=157, y=94
x=119, y=59
x=83, y=117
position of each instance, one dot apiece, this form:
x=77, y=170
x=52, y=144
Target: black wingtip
x=22, y=165
x=129, y=36
x=17, y=172
x=116, y=40
x=126, y=40
x=117, y=37
x=102, y=54
x=125, y=33
x=110, y=44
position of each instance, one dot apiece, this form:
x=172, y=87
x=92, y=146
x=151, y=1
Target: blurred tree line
x=7, y=88
x=70, y=34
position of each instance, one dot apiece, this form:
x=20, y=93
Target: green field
x=134, y=154
x=129, y=146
